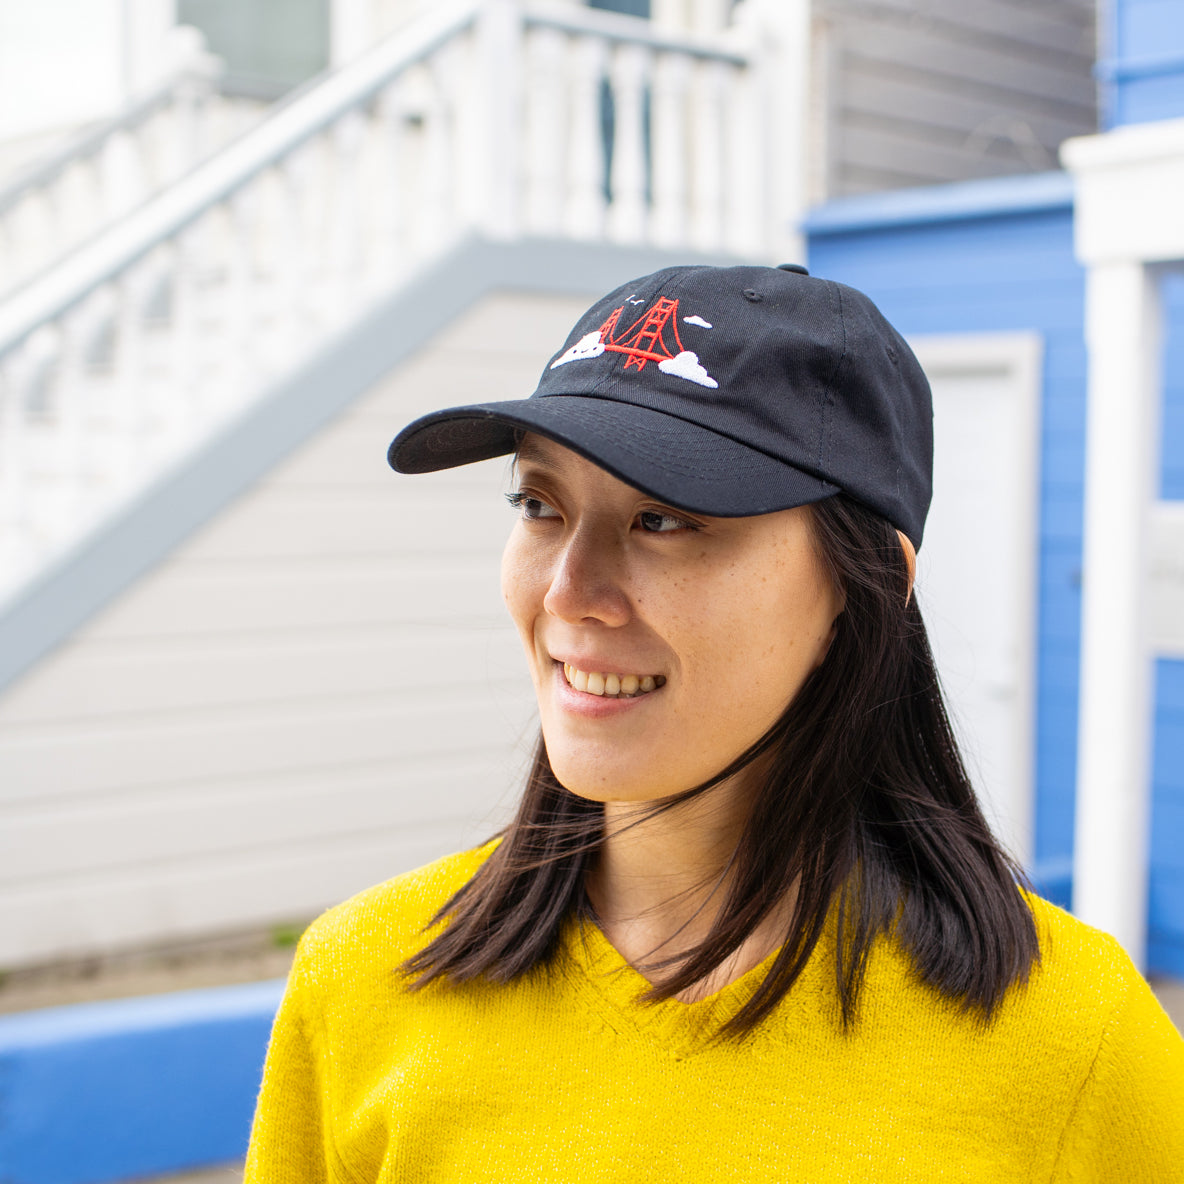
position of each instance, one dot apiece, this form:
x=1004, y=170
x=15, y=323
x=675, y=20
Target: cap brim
x=678, y=462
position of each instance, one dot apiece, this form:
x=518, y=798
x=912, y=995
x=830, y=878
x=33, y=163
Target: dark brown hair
x=864, y=805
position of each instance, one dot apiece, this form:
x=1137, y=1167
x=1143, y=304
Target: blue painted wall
x=1172, y=465
x=1167, y=804
x=1143, y=67
x=997, y=256
x=133, y=1087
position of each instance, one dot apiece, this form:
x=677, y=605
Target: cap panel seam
x=827, y=395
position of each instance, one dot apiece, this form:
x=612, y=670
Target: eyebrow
x=530, y=452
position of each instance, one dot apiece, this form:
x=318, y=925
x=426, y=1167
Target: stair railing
x=491, y=117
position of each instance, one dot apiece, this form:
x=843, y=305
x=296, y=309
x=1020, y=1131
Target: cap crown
x=801, y=369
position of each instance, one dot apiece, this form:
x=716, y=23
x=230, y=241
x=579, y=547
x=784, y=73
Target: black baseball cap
x=728, y=391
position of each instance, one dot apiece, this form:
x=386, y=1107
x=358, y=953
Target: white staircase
x=498, y=119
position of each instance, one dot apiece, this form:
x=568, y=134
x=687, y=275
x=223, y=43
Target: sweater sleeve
x=290, y=1141
x=1128, y=1120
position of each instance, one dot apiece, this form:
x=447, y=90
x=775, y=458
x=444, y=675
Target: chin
x=594, y=786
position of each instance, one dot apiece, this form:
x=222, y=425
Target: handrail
x=164, y=216
x=482, y=117
x=619, y=27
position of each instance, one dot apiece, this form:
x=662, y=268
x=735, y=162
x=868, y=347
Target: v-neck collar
x=680, y=1028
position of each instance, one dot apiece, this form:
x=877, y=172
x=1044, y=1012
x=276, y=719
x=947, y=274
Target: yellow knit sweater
x=563, y=1076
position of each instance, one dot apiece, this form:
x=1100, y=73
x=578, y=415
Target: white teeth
x=611, y=685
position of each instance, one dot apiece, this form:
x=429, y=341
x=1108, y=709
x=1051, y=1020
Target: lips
x=611, y=685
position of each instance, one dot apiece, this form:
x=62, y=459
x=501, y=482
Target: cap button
x=792, y=267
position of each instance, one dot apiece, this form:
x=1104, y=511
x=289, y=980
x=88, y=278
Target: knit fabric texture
x=563, y=1075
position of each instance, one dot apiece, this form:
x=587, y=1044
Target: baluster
x=310, y=169
x=545, y=147
x=709, y=17
x=297, y=245
x=32, y=224
x=436, y=194
x=745, y=194
x=72, y=412
x=670, y=14
x=390, y=186
x=75, y=204
x=166, y=419
x=457, y=71
x=127, y=374
x=585, y=208
x=240, y=301
x=190, y=112
x=345, y=229
x=627, y=202
x=671, y=149
x=120, y=168
x=184, y=346
x=707, y=184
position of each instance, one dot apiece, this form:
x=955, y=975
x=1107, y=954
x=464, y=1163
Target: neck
x=659, y=886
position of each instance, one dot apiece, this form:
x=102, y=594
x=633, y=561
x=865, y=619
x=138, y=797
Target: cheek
x=523, y=583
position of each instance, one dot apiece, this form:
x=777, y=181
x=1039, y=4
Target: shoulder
x=1083, y=981
x=1089, y=994
x=1069, y=947
x=1080, y=964
x=1125, y=1120
x=376, y=930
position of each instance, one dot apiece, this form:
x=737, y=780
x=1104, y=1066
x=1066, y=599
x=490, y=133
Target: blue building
x=1087, y=260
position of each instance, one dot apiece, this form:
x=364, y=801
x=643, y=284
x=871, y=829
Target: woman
x=748, y=923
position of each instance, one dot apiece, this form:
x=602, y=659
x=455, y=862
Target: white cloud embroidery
x=686, y=365
x=588, y=346
x=697, y=320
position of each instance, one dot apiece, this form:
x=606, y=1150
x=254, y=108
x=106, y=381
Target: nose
x=587, y=582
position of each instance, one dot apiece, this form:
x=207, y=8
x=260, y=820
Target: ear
x=910, y=558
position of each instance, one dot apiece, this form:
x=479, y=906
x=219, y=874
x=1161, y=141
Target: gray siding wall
x=317, y=691
x=919, y=92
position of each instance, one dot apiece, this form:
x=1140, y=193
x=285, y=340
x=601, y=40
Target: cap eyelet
x=753, y=295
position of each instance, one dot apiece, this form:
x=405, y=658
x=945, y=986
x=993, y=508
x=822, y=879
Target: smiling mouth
x=612, y=686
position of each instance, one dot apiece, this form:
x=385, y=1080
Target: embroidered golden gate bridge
x=643, y=342
x=653, y=338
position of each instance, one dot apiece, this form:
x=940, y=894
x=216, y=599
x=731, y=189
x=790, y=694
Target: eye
x=531, y=508
x=657, y=522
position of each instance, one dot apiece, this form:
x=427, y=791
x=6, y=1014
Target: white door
x=976, y=573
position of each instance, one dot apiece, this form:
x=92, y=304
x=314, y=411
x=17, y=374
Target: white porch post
x=1114, y=732
x=1126, y=220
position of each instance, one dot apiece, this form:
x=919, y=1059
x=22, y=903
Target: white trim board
x=987, y=394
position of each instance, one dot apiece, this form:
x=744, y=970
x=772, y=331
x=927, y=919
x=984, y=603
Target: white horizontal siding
x=915, y=92
x=318, y=690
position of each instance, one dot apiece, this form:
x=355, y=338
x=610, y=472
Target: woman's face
x=614, y=592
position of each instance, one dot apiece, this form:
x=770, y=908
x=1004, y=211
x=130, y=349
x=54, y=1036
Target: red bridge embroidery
x=649, y=339
x=643, y=342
